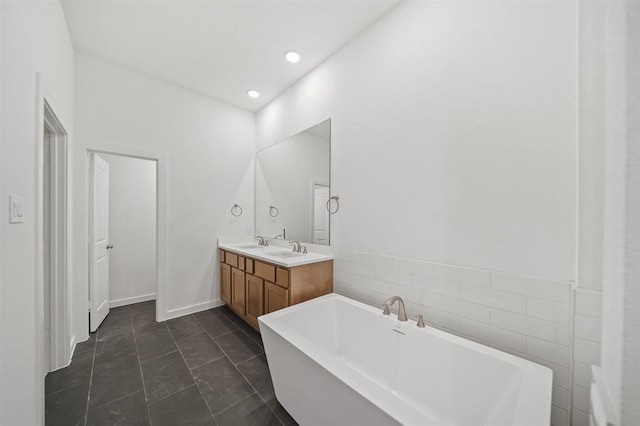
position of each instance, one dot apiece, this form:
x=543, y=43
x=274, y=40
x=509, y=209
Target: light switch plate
x=16, y=209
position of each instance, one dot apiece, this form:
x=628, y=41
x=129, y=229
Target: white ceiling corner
x=220, y=48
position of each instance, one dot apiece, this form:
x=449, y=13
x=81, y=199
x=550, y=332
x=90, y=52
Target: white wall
x=592, y=23
x=459, y=118
x=284, y=174
x=132, y=229
x=621, y=269
x=614, y=210
x=3, y=401
x=454, y=153
x=210, y=148
x=34, y=39
x=631, y=359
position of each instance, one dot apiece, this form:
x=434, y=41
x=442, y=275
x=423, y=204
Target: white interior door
x=320, y=215
x=99, y=243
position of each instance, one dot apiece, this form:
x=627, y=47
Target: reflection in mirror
x=292, y=178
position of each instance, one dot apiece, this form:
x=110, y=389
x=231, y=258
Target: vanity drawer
x=282, y=277
x=275, y=297
x=231, y=259
x=264, y=270
x=221, y=255
x=241, y=262
x=248, y=265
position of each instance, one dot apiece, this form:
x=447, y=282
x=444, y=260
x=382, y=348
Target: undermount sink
x=285, y=254
x=248, y=246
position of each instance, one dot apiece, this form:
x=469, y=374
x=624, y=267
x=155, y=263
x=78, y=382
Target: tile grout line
x=222, y=315
x=156, y=357
x=93, y=363
x=249, y=359
x=245, y=378
x=224, y=356
x=144, y=388
x=220, y=335
x=253, y=357
x=195, y=383
x=256, y=391
x=238, y=370
x=173, y=393
x=227, y=313
x=195, y=367
x=66, y=388
x=238, y=402
x=120, y=398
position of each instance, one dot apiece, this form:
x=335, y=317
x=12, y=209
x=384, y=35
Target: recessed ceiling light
x=253, y=93
x=292, y=57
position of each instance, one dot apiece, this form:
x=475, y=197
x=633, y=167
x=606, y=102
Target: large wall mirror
x=292, y=187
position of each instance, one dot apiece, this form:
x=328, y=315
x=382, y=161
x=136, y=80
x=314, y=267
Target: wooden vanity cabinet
x=225, y=283
x=253, y=287
x=275, y=297
x=255, y=299
x=238, y=291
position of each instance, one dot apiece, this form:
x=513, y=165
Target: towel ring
x=236, y=210
x=335, y=198
x=273, y=211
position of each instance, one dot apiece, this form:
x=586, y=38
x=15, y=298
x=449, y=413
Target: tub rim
x=536, y=380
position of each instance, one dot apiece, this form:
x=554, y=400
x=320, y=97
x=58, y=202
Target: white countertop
x=278, y=255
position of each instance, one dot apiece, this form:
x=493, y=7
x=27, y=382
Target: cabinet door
x=275, y=297
x=225, y=283
x=255, y=298
x=237, y=291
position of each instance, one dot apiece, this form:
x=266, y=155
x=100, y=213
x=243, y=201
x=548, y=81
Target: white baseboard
x=175, y=313
x=131, y=300
x=67, y=362
x=72, y=348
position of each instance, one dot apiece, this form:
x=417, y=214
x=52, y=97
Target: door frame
x=312, y=202
x=59, y=292
x=162, y=214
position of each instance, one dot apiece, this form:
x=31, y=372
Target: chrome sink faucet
x=297, y=248
x=402, y=314
x=261, y=241
x=283, y=235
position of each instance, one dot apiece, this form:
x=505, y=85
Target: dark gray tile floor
x=203, y=369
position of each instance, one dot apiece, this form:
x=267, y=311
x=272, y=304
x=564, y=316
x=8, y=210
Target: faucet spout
x=296, y=246
x=261, y=241
x=402, y=313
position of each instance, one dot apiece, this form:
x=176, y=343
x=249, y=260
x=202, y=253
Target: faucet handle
x=385, y=311
x=420, y=321
x=261, y=240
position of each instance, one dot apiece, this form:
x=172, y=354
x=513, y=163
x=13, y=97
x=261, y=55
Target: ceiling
x=220, y=48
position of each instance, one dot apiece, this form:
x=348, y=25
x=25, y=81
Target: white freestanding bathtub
x=336, y=361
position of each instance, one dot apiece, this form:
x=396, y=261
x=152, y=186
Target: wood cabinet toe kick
x=252, y=287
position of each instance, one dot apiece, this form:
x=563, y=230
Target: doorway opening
x=126, y=239
x=319, y=213
x=53, y=240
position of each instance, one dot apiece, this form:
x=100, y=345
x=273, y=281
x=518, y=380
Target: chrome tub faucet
x=402, y=313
